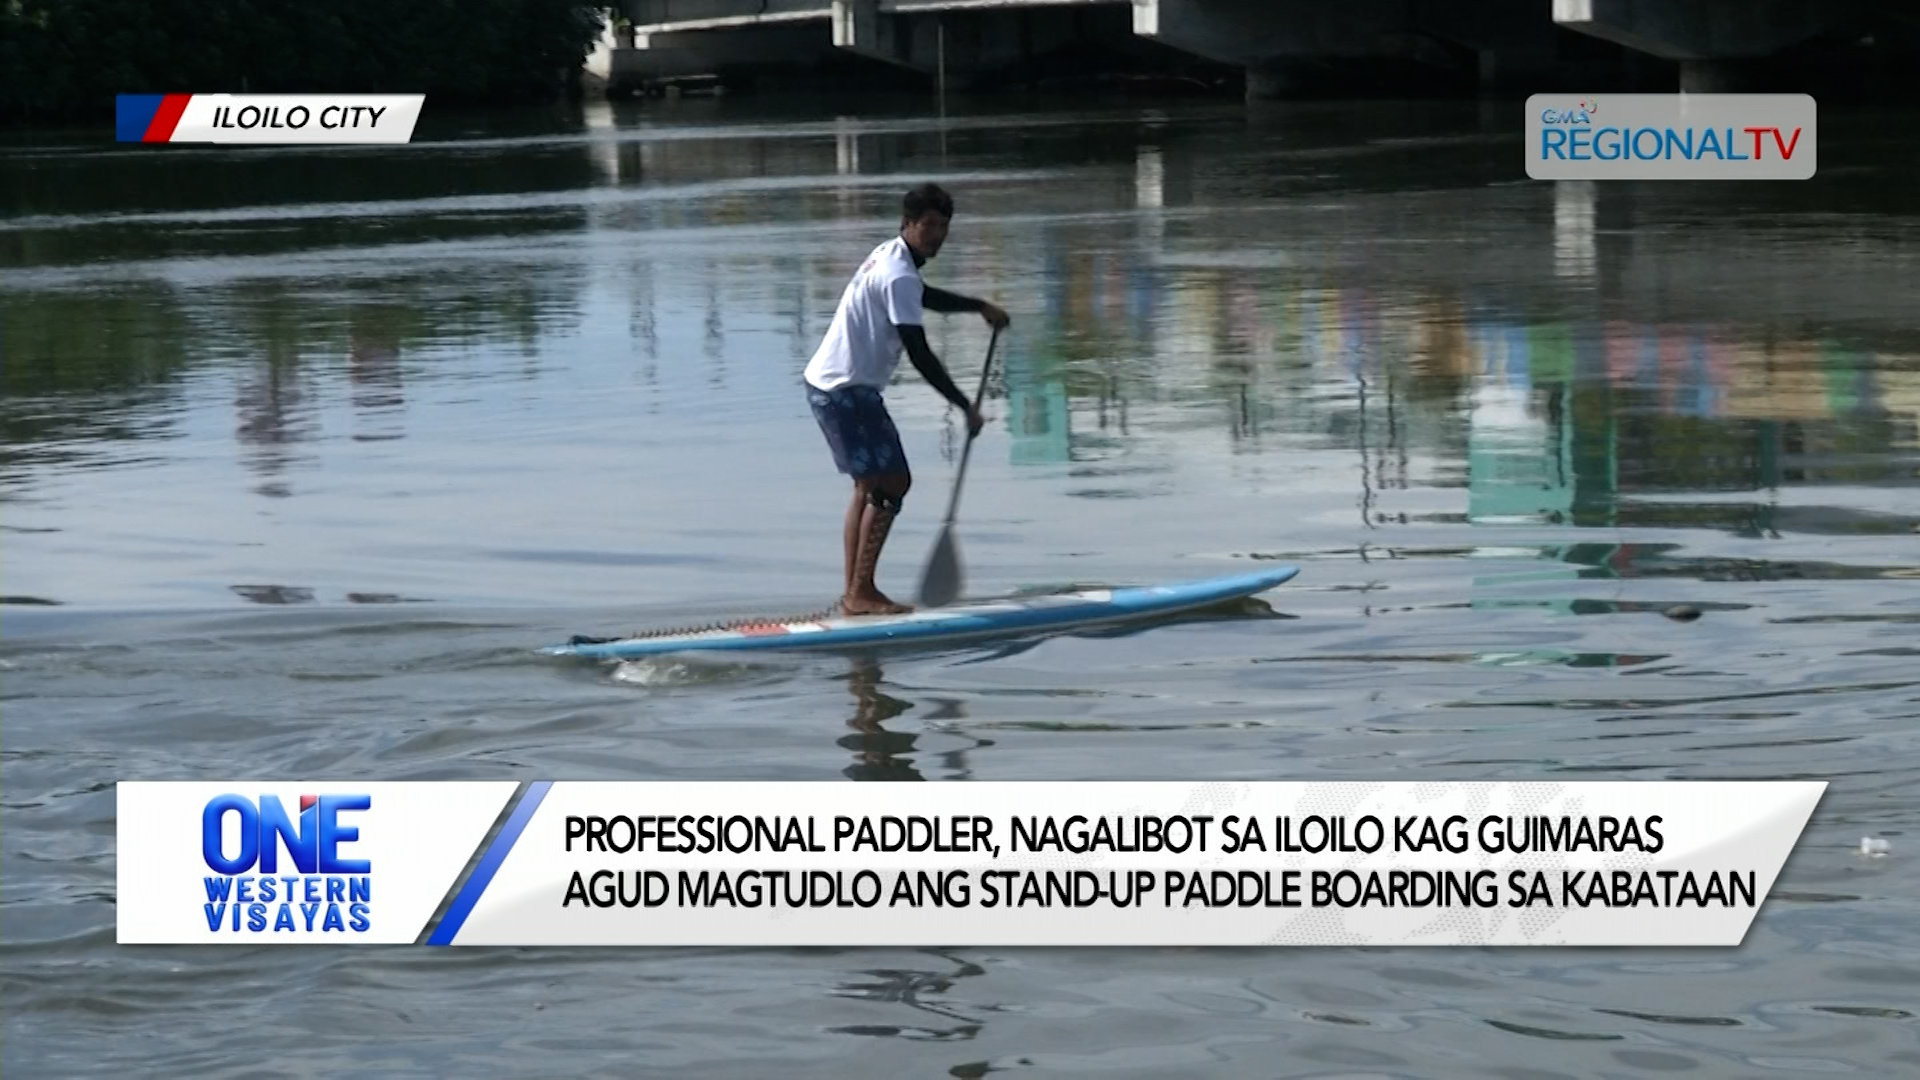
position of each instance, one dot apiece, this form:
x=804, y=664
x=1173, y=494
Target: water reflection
x=276, y=415
x=379, y=398
x=1039, y=416
x=878, y=754
x=1545, y=421
x=883, y=750
x=919, y=989
x=1278, y=324
x=1574, y=253
x=1554, y=420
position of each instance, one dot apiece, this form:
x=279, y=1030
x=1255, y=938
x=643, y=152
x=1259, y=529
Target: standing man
x=880, y=312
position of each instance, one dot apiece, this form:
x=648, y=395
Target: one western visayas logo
x=316, y=887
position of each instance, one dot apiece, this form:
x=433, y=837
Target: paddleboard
x=964, y=621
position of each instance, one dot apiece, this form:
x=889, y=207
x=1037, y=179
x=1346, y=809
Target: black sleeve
x=947, y=303
x=929, y=366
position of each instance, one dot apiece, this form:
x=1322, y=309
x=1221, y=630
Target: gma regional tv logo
x=276, y=871
x=1671, y=137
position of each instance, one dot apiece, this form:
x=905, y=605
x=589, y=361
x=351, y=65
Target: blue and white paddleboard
x=957, y=622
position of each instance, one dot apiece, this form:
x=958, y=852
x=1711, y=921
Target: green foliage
x=64, y=60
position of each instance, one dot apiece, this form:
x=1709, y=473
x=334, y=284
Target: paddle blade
x=940, y=585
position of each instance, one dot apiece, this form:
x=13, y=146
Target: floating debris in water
x=1874, y=847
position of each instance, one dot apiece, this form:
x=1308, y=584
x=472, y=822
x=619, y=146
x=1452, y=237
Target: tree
x=64, y=60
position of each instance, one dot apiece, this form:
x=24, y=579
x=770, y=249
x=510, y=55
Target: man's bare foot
x=871, y=603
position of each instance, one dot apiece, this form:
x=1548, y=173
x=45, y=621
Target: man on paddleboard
x=880, y=313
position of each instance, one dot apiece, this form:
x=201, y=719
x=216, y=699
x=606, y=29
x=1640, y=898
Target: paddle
x=940, y=585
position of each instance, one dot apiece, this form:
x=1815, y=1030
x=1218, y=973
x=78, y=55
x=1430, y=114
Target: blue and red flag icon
x=147, y=117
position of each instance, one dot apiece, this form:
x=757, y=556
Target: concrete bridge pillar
x=1716, y=43
x=963, y=46
x=861, y=28
x=1246, y=33
x=1508, y=45
x=1292, y=48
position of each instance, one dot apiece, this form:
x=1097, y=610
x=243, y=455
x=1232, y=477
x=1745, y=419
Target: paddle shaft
x=986, y=370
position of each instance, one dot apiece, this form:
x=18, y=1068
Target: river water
x=306, y=451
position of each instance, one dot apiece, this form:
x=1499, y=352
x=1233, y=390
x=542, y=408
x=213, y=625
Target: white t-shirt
x=862, y=346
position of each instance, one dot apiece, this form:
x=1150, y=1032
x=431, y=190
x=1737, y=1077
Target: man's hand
x=991, y=312
x=974, y=421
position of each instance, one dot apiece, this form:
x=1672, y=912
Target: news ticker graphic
x=266, y=118
x=1671, y=137
x=1677, y=863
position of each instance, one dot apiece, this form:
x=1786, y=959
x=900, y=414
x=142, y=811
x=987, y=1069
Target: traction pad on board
x=731, y=624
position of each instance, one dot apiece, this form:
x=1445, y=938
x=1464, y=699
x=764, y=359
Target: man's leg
x=880, y=498
x=850, y=535
x=838, y=422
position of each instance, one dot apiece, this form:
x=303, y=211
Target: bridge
x=1280, y=48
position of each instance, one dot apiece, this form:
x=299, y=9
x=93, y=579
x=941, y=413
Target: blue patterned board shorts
x=859, y=431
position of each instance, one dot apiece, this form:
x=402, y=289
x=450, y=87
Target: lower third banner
x=266, y=118
x=999, y=863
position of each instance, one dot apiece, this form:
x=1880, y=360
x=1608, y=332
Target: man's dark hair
x=923, y=198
